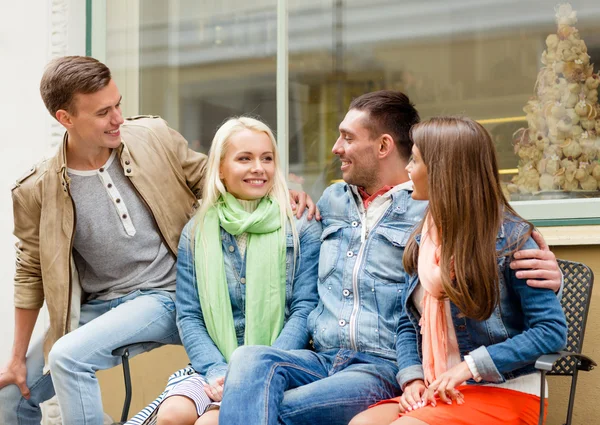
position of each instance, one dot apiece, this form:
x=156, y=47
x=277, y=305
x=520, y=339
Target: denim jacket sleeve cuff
x=559, y=294
x=409, y=374
x=485, y=365
x=216, y=372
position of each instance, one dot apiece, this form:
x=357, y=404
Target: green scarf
x=265, y=272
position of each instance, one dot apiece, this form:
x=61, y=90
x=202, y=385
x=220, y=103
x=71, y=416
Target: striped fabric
x=193, y=388
x=148, y=414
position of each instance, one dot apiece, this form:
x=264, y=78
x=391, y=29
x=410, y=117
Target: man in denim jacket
x=366, y=223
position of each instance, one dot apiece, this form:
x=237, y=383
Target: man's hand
x=15, y=373
x=300, y=201
x=215, y=391
x=411, y=397
x=538, y=266
x=445, y=385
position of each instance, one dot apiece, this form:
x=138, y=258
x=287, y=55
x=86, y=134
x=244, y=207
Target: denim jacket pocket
x=384, y=256
x=330, y=250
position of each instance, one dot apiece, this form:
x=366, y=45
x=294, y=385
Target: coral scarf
x=440, y=347
x=265, y=272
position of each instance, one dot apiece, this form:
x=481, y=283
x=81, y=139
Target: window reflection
x=201, y=62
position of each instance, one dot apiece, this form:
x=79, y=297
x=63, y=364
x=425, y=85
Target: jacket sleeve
x=204, y=355
x=192, y=163
x=546, y=330
x=29, y=292
x=294, y=334
x=407, y=353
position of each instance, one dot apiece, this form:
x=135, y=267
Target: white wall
x=26, y=46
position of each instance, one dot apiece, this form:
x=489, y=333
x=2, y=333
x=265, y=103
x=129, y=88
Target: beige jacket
x=166, y=173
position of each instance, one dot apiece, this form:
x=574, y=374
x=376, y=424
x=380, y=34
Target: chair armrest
x=546, y=362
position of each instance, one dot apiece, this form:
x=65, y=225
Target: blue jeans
x=145, y=317
x=265, y=385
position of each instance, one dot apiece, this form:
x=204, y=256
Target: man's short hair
x=66, y=76
x=390, y=112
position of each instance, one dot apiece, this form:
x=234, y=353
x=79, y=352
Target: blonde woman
x=471, y=329
x=240, y=276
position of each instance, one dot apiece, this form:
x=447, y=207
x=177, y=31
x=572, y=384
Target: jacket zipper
x=359, y=257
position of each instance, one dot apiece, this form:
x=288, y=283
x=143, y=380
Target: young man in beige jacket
x=98, y=226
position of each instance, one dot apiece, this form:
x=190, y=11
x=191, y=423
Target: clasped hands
x=416, y=394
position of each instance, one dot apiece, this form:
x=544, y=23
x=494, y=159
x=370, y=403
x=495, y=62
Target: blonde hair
x=213, y=186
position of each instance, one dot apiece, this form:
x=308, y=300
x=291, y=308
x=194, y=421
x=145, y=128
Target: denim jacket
x=528, y=322
x=301, y=295
x=361, y=283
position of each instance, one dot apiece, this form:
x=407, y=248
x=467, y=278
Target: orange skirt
x=483, y=405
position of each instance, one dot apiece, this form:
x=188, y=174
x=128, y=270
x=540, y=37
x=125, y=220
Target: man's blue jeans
x=140, y=317
x=265, y=385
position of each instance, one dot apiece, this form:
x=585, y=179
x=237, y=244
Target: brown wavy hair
x=467, y=205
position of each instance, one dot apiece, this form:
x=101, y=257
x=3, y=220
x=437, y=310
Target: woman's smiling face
x=248, y=167
x=417, y=170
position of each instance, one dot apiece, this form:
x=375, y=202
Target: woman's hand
x=411, y=397
x=215, y=391
x=445, y=385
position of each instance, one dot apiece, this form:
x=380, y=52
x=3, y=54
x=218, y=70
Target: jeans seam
x=295, y=366
x=131, y=334
x=168, y=336
x=313, y=406
x=270, y=379
x=19, y=408
x=81, y=401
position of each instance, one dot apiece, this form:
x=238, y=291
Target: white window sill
x=571, y=235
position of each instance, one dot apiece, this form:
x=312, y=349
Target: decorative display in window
x=560, y=148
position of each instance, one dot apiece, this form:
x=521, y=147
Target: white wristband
x=473, y=368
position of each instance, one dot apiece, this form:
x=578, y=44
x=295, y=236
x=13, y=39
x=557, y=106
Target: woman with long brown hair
x=471, y=330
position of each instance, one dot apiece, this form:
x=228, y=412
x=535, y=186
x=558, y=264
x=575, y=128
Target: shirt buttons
x=349, y=254
x=129, y=170
x=124, y=216
x=354, y=223
x=346, y=292
x=243, y=280
x=118, y=200
x=109, y=185
x=231, y=248
x=461, y=328
x=127, y=162
x=101, y=169
x=342, y=322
